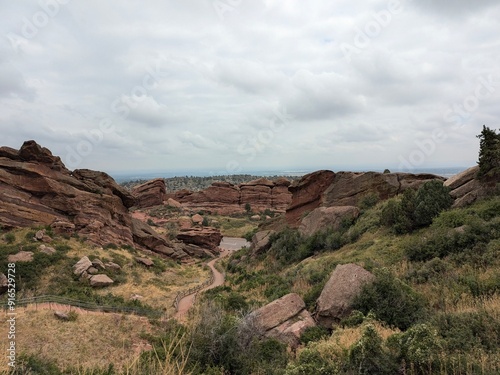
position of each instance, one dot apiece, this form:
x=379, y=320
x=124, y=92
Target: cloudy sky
x=231, y=86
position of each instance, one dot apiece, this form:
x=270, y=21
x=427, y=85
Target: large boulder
x=335, y=301
x=82, y=266
x=206, y=237
x=284, y=319
x=466, y=188
x=99, y=281
x=151, y=193
x=327, y=218
x=261, y=241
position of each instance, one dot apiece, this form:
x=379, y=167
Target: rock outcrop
x=284, y=319
x=36, y=189
x=22, y=256
x=205, y=237
x=466, y=188
x=327, y=217
x=328, y=189
x=82, y=266
x=335, y=301
x=151, y=193
x=261, y=241
x=225, y=198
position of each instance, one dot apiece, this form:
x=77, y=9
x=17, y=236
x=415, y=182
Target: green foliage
x=355, y=319
x=367, y=356
x=391, y=300
x=418, y=347
x=248, y=208
x=311, y=362
x=369, y=201
x=314, y=334
x=72, y=316
x=469, y=331
x=205, y=222
x=416, y=209
x=489, y=154
x=249, y=235
x=10, y=238
x=31, y=364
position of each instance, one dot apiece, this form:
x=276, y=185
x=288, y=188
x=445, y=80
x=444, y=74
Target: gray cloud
x=178, y=85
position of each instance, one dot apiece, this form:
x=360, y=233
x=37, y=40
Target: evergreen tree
x=489, y=154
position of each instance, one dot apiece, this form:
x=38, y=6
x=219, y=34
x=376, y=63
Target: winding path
x=228, y=245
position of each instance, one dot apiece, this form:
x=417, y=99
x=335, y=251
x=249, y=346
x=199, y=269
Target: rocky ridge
x=36, y=189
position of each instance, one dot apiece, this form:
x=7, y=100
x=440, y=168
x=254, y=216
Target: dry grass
x=93, y=340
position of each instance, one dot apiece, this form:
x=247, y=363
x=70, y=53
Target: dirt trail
x=228, y=245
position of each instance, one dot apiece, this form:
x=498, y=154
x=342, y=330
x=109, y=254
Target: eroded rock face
x=206, y=237
x=225, y=198
x=328, y=189
x=335, y=301
x=261, y=241
x=36, y=189
x=82, y=266
x=284, y=319
x=466, y=189
x=151, y=193
x=327, y=217
x=306, y=195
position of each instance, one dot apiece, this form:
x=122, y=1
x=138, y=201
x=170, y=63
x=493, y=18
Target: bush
x=10, y=238
x=369, y=201
x=391, y=300
x=310, y=362
x=367, y=356
x=314, y=334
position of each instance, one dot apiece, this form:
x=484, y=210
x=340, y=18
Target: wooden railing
x=49, y=299
x=193, y=290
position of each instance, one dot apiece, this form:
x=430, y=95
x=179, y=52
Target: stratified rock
x=145, y=236
x=284, y=319
x=327, y=218
x=145, y=261
x=100, y=281
x=22, y=256
x=4, y=283
x=461, y=178
x=82, y=266
x=335, y=301
x=306, y=195
x=261, y=241
x=63, y=227
x=225, y=198
x=151, y=193
x=37, y=190
x=206, y=237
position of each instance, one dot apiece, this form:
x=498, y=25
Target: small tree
x=248, y=208
x=489, y=154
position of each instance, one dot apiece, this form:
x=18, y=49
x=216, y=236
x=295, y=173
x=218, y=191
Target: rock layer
x=328, y=189
x=151, y=193
x=225, y=198
x=36, y=189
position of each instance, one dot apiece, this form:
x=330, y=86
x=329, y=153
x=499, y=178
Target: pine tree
x=489, y=154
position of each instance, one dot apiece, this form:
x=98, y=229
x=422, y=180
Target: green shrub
x=391, y=300
x=368, y=356
x=311, y=362
x=10, y=238
x=369, y=201
x=355, y=319
x=314, y=334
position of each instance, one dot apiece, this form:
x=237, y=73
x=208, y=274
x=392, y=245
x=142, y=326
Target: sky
x=233, y=86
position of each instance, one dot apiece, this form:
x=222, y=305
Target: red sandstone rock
x=206, y=238
x=151, y=193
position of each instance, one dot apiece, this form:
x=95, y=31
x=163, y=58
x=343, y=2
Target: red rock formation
x=225, y=198
x=206, y=237
x=36, y=189
x=328, y=189
x=151, y=193
x=306, y=194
